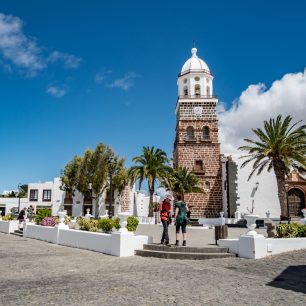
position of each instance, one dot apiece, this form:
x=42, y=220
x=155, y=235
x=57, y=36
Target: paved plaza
x=39, y=273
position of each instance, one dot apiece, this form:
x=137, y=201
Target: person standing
x=164, y=216
x=30, y=211
x=180, y=217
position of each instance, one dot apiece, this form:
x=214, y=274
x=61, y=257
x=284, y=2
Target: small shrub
x=67, y=220
x=292, y=230
x=8, y=217
x=116, y=222
x=41, y=214
x=48, y=221
x=88, y=224
x=132, y=224
x=93, y=229
x=106, y=225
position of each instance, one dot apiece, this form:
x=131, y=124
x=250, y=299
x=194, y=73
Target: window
x=33, y=194
x=208, y=91
x=198, y=165
x=205, y=133
x=185, y=81
x=197, y=79
x=68, y=198
x=47, y=195
x=185, y=91
x=197, y=90
x=206, y=186
x=190, y=133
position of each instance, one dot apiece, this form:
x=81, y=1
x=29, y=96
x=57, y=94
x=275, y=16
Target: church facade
x=196, y=144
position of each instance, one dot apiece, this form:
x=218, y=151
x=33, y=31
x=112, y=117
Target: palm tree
x=280, y=146
x=182, y=181
x=151, y=165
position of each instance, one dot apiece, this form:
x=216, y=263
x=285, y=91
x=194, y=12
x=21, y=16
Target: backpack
x=182, y=214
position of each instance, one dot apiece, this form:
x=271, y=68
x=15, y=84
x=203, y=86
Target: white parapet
x=257, y=246
x=8, y=226
x=118, y=243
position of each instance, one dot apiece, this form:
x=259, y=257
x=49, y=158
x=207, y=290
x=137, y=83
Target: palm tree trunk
x=151, y=191
x=280, y=173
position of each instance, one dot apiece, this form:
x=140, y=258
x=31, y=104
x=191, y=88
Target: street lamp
x=111, y=171
x=288, y=214
x=19, y=185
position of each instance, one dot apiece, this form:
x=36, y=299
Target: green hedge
x=292, y=230
x=132, y=224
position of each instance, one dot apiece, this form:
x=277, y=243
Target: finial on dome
x=194, y=52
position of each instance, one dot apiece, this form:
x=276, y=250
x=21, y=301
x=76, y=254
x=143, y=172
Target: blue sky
x=79, y=73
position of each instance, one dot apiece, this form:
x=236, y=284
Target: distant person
x=165, y=217
x=21, y=217
x=30, y=213
x=181, y=220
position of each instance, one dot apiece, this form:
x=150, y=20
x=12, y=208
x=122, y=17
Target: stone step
x=18, y=233
x=182, y=249
x=181, y=255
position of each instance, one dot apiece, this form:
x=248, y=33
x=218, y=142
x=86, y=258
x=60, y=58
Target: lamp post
x=288, y=214
x=19, y=185
x=111, y=171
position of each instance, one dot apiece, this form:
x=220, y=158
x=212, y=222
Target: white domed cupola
x=194, y=63
x=195, y=79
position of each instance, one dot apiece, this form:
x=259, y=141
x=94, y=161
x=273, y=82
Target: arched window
x=185, y=91
x=207, y=90
x=190, y=133
x=205, y=133
x=197, y=90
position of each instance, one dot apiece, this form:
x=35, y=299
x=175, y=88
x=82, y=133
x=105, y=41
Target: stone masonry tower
x=196, y=145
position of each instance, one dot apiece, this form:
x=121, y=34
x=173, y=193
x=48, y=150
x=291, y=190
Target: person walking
x=21, y=217
x=180, y=217
x=164, y=216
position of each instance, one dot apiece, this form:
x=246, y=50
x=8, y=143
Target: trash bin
x=221, y=232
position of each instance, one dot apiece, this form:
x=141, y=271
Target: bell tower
x=196, y=145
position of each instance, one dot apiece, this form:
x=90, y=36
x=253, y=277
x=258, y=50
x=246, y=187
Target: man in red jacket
x=164, y=216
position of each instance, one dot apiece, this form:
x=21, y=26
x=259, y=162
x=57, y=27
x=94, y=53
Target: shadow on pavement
x=293, y=278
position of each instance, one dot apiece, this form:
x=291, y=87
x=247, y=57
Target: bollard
x=221, y=232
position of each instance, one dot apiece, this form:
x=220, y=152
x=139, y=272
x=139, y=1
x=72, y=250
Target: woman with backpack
x=165, y=217
x=181, y=220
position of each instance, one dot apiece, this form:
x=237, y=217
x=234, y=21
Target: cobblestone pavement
x=38, y=273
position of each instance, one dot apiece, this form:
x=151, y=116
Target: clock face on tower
x=198, y=110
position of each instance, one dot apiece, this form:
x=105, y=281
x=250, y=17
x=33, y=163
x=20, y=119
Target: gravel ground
x=39, y=273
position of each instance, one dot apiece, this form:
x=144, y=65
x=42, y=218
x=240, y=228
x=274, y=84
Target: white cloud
x=69, y=60
x=286, y=96
x=22, y=51
x=101, y=76
x=124, y=83
x=56, y=91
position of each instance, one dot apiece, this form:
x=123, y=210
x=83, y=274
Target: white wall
x=10, y=203
x=264, y=198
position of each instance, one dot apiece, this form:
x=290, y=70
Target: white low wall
x=8, y=226
x=98, y=242
x=121, y=243
x=254, y=247
x=213, y=221
x=45, y=233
